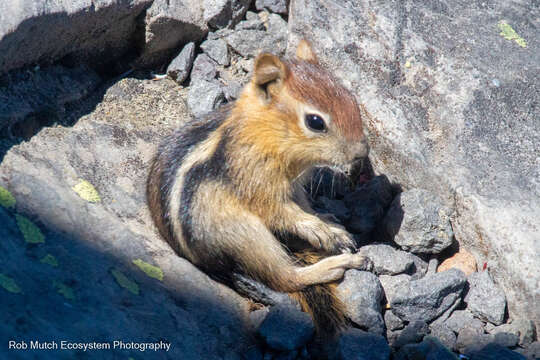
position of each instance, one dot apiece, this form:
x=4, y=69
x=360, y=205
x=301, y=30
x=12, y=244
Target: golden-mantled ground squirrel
x=226, y=190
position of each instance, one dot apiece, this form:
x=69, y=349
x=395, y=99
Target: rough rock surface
x=387, y=260
x=496, y=352
x=275, y=6
x=429, y=297
x=286, y=328
x=168, y=25
x=44, y=31
x=180, y=67
x=453, y=105
x=419, y=222
x=356, y=344
x=92, y=278
x=42, y=92
x=484, y=299
x=430, y=349
x=362, y=293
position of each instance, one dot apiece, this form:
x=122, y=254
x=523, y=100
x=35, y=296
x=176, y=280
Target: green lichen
x=49, y=260
x=510, y=34
x=87, y=191
x=64, y=290
x=125, y=282
x=30, y=232
x=9, y=284
x=6, y=199
x=148, y=269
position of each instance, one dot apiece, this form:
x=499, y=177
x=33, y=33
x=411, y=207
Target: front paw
x=327, y=237
x=342, y=241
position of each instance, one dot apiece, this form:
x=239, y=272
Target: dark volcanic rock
x=180, y=67
x=391, y=284
x=362, y=293
x=356, y=344
x=286, y=328
x=276, y=6
x=169, y=25
x=452, y=100
x=429, y=349
x=444, y=334
x=412, y=333
x=217, y=50
x=462, y=318
x=484, y=299
x=387, y=260
x=496, y=352
x=419, y=222
x=429, y=297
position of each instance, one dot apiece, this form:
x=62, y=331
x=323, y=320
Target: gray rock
x=110, y=147
x=169, y=24
x=204, y=68
x=368, y=204
x=496, y=352
x=523, y=328
x=393, y=322
x=412, y=333
x=355, y=344
x=444, y=334
x=532, y=352
x=204, y=96
x=249, y=43
x=429, y=349
x=484, y=299
x=390, y=284
x=429, y=297
x=406, y=63
x=420, y=267
x=275, y=6
x=419, y=222
x=254, y=353
x=463, y=318
x=290, y=355
x=253, y=22
x=471, y=339
x=224, y=13
x=180, y=67
x=41, y=95
x=233, y=90
x=217, y=50
x=506, y=339
x=362, y=293
x=286, y=328
x=97, y=32
x=387, y=260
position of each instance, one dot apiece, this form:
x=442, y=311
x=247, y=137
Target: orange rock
x=462, y=260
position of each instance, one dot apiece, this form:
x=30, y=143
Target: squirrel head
x=301, y=115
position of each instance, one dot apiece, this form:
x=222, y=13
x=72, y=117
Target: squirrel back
x=226, y=192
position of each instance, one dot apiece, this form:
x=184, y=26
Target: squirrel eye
x=315, y=123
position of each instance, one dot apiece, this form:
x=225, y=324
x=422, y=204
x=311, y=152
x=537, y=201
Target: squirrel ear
x=305, y=52
x=268, y=74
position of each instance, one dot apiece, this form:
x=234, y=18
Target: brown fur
x=224, y=189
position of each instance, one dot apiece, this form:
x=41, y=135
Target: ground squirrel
x=226, y=190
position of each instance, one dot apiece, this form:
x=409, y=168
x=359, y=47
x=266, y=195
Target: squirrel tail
x=321, y=302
